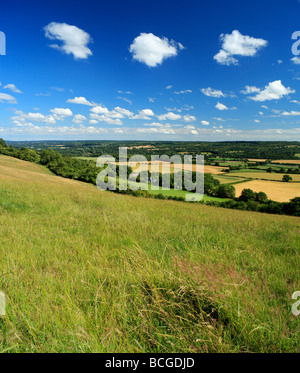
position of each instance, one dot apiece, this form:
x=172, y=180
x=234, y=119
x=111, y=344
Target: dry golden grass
x=280, y=192
x=21, y=172
x=15, y=163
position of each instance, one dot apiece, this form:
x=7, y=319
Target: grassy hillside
x=85, y=270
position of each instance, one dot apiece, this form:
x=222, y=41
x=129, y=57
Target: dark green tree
x=3, y=143
x=225, y=191
x=247, y=195
x=287, y=178
x=261, y=197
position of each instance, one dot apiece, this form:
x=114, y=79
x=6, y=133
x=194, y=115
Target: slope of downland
x=91, y=271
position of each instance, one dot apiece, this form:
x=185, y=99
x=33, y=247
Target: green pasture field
x=90, y=271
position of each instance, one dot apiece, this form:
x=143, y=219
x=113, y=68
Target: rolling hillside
x=91, y=271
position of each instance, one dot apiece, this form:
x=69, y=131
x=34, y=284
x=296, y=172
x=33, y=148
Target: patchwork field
x=91, y=271
x=280, y=192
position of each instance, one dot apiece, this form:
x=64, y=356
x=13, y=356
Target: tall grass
x=91, y=271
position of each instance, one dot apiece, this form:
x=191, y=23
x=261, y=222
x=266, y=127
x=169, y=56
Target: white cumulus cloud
x=144, y=114
x=152, y=50
x=273, y=91
x=74, y=40
x=78, y=118
x=189, y=118
x=79, y=100
x=61, y=113
x=236, y=44
x=22, y=118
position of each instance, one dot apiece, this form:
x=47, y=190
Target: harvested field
x=280, y=192
x=287, y=161
x=266, y=176
x=166, y=167
x=256, y=160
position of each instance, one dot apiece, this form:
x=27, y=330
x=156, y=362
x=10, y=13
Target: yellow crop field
x=167, y=167
x=287, y=161
x=265, y=176
x=280, y=192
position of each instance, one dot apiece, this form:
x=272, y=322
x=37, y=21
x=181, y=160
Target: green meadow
x=91, y=271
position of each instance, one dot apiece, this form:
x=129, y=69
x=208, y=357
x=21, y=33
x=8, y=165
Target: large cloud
x=152, y=50
x=236, y=44
x=74, y=40
x=273, y=91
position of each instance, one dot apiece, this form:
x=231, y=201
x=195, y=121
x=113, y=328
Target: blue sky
x=150, y=70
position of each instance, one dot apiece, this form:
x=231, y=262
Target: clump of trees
x=252, y=201
x=23, y=153
x=3, y=144
x=249, y=195
x=291, y=170
x=286, y=178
